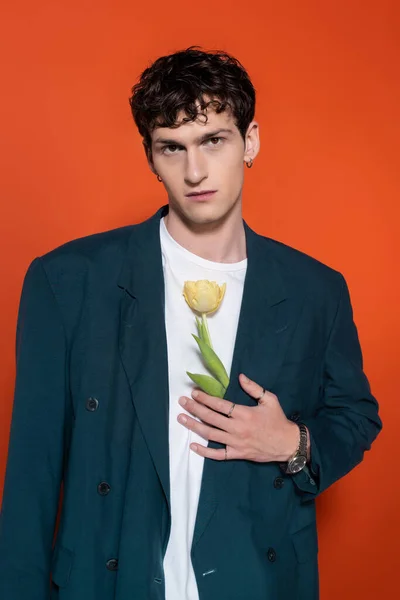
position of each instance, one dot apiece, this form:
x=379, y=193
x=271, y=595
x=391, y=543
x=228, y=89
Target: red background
x=326, y=181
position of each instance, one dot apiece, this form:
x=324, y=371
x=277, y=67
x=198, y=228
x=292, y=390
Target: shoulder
x=304, y=272
x=82, y=270
x=90, y=261
x=101, y=252
x=90, y=248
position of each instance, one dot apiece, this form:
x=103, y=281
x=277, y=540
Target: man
x=165, y=493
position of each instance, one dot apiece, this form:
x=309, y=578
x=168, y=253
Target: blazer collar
x=143, y=263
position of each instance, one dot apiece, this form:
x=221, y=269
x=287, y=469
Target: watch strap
x=300, y=452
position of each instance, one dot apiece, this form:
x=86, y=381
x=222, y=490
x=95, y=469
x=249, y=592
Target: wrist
x=291, y=441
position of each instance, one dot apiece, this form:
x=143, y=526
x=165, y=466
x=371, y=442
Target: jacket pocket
x=305, y=542
x=61, y=565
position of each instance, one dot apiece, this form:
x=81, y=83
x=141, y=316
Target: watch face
x=297, y=464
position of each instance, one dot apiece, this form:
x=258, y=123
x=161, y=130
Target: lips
x=201, y=195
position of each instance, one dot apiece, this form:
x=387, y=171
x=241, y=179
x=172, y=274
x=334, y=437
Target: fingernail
x=182, y=419
x=182, y=401
x=245, y=379
x=195, y=393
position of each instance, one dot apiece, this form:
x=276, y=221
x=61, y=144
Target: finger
x=216, y=404
x=205, y=414
x=253, y=389
x=214, y=453
x=206, y=432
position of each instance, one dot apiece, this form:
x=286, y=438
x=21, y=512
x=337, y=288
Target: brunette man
x=168, y=494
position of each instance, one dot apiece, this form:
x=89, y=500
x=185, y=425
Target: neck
x=222, y=240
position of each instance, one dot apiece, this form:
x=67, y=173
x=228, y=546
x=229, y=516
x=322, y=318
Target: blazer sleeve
x=36, y=444
x=347, y=420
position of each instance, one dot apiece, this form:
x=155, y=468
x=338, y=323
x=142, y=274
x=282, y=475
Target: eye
x=170, y=148
x=213, y=139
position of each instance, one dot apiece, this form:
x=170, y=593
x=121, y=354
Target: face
x=203, y=156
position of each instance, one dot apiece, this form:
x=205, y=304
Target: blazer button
x=103, y=488
x=294, y=416
x=112, y=564
x=92, y=404
x=279, y=482
x=271, y=555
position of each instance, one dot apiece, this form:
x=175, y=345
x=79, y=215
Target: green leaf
x=208, y=384
x=213, y=362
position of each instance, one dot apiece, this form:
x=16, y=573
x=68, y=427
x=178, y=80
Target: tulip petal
x=213, y=362
x=208, y=384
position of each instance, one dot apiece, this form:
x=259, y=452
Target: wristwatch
x=298, y=461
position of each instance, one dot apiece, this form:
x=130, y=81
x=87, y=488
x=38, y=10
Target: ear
x=252, y=141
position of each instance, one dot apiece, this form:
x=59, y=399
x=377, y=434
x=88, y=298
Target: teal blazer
x=89, y=431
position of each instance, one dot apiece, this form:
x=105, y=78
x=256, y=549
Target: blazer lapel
x=142, y=339
x=267, y=320
x=268, y=317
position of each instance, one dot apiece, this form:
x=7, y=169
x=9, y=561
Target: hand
x=260, y=433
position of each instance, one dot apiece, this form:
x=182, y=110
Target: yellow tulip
x=203, y=295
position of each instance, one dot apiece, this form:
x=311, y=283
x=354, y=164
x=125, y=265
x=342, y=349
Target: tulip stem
x=207, y=331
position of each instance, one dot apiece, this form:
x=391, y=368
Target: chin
x=203, y=208
x=202, y=212
x=207, y=217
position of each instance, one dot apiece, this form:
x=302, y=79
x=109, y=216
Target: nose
x=195, y=167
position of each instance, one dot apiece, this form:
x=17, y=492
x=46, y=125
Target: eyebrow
x=200, y=139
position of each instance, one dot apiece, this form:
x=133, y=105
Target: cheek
x=228, y=169
x=232, y=157
x=172, y=177
x=233, y=176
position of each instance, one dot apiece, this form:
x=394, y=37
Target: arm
x=347, y=421
x=36, y=445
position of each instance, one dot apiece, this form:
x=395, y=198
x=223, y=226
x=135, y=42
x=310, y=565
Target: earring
x=159, y=178
x=249, y=163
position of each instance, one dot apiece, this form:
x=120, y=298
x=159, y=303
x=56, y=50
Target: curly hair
x=179, y=81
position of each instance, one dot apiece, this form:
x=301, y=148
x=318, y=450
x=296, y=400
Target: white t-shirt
x=186, y=467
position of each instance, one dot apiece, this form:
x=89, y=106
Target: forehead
x=190, y=130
